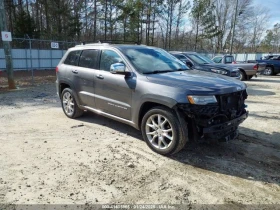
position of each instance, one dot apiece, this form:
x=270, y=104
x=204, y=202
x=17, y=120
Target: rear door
x=113, y=92
x=83, y=76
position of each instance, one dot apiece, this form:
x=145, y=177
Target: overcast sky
x=274, y=7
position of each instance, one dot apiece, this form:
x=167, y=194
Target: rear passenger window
x=88, y=59
x=73, y=58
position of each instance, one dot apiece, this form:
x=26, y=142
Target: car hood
x=198, y=82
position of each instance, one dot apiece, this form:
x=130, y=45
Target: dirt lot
x=48, y=158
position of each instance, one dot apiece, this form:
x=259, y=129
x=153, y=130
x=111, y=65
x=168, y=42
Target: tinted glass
x=228, y=59
x=148, y=60
x=89, y=58
x=181, y=57
x=208, y=60
x=73, y=58
x=197, y=59
x=109, y=57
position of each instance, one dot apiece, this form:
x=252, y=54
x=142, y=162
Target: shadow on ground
x=259, y=92
x=246, y=157
x=263, y=78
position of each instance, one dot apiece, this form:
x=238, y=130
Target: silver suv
x=153, y=91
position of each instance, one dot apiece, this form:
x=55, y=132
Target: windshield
x=152, y=60
x=208, y=60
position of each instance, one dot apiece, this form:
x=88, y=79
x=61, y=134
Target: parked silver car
x=247, y=70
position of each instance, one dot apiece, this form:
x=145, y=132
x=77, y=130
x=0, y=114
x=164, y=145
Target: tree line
x=200, y=25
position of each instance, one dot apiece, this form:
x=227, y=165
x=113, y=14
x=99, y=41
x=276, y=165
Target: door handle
x=99, y=76
x=75, y=71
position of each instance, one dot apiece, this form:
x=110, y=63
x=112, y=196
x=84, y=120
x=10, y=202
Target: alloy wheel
x=159, y=131
x=68, y=103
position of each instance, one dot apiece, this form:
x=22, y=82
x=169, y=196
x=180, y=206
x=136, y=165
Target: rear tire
x=69, y=104
x=162, y=131
x=243, y=76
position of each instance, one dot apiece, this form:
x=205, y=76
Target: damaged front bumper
x=213, y=122
x=224, y=131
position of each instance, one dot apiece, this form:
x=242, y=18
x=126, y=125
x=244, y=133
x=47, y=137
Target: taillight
x=56, y=69
x=234, y=62
x=256, y=67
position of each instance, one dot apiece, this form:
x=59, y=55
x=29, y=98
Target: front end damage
x=218, y=121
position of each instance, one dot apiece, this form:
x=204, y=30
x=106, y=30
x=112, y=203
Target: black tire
x=243, y=76
x=178, y=139
x=268, y=71
x=77, y=112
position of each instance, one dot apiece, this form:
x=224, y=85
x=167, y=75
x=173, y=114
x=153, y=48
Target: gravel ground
x=48, y=158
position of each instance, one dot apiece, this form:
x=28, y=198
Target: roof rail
x=110, y=42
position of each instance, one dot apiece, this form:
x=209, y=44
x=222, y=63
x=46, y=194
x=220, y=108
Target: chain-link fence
x=30, y=54
x=33, y=54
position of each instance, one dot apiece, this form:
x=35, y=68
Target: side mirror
x=118, y=68
x=189, y=64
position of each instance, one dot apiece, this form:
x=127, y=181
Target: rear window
x=89, y=59
x=229, y=59
x=73, y=58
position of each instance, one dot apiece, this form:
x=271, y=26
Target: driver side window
x=108, y=57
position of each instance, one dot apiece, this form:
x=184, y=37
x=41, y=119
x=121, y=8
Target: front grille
x=204, y=110
x=232, y=105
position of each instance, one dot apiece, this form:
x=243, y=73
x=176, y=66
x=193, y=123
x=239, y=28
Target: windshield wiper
x=157, y=72
x=164, y=71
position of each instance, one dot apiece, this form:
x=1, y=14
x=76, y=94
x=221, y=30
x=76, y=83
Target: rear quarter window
x=73, y=58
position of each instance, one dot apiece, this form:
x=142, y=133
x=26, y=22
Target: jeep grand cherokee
x=153, y=91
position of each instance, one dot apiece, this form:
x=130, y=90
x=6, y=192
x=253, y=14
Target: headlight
x=219, y=71
x=202, y=100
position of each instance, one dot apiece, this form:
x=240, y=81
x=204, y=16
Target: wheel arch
x=151, y=102
x=244, y=72
x=271, y=66
x=65, y=84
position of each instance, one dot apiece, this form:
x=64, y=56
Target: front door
x=113, y=92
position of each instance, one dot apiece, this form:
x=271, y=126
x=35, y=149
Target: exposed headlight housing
x=219, y=71
x=202, y=100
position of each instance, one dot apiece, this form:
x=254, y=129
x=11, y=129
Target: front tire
x=162, y=131
x=268, y=71
x=69, y=104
